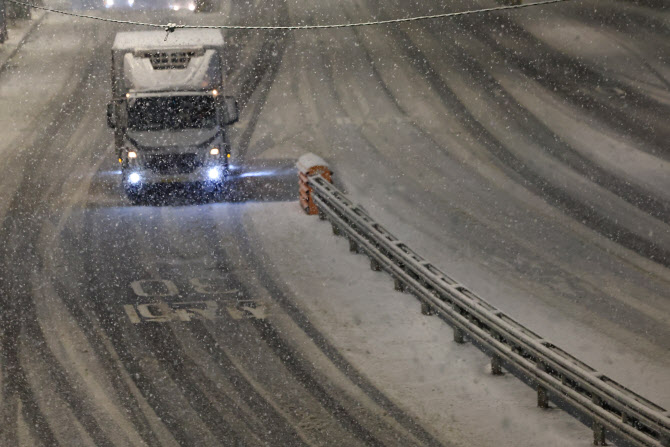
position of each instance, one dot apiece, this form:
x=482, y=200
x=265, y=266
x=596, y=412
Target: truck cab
x=168, y=109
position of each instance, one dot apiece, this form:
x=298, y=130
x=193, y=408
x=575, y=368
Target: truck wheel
x=222, y=193
x=133, y=195
x=216, y=191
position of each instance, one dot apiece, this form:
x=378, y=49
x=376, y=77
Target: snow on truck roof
x=138, y=40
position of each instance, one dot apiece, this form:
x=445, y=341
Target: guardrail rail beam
x=611, y=410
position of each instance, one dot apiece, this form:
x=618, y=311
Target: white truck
x=168, y=109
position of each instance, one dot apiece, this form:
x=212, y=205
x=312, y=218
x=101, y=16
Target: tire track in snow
x=261, y=74
x=598, y=299
x=552, y=144
x=524, y=175
x=199, y=392
x=262, y=408
x=577, y=83
x=79, y=304
x=20, y=231
x=254, y=254
x=292, y=360
x=132, y=344
x=250, y=419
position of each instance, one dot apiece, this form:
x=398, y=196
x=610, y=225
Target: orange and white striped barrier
x=310, y=165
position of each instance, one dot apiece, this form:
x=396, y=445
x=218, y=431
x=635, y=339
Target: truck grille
x=172, y=163
x=166, y=60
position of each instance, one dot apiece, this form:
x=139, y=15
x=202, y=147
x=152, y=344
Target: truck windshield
x=174, y=112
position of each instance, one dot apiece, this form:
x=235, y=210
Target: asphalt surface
x=160, y=325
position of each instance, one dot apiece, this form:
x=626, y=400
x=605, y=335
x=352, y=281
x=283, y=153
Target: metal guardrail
x=613, y=412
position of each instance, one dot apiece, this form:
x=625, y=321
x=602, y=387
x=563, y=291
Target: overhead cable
x=170, y=27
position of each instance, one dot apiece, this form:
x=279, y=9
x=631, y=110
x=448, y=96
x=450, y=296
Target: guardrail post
x=426, y=309
x=336, y=231
x=542, y=397
x=459, y=335
x=310, y=165
x=598, y=428
x=398, y=285
x=353, y=246
x=496, y=365
x=374, y=265
x=598, y=434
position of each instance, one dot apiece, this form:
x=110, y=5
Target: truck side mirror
x=230, y=110
x=111, y=117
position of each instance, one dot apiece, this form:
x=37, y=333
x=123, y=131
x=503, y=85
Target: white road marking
x=162, y=312
x=169, y=288
x=247, y=309
x=130, y=310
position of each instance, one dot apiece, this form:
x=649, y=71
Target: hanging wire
x=171, y=27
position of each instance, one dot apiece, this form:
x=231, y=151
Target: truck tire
x=133, y=194
x=222, y=193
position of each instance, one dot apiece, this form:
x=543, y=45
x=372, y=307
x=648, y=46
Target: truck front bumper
x=208, y=175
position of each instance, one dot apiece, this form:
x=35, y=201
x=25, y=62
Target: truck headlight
x=132, y=154
x=134, y=178
x=191, y=7
x=214, y=173
x=214, y=151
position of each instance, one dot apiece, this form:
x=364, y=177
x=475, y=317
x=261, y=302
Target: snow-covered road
x=523, y=153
